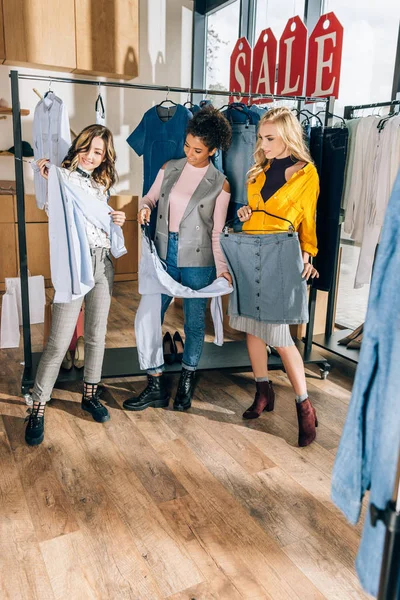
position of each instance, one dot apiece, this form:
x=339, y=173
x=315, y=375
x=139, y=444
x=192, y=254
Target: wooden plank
x=32, y=33
x=122, y=566
x=162, y=551
x=33, y=214
x=2, y=44
x=7, y=209
x=50, y=510
x=129, y=204
x=8, y=251
x=22, y=570
x=24, y=112
x=129, y=262
x=107, y=38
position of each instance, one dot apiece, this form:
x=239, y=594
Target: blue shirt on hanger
x=159, y=141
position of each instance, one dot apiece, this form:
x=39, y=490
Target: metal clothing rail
x=329, y=340
x=123, y=362
x=348, y=110
x=389, y=583
x=165, y=88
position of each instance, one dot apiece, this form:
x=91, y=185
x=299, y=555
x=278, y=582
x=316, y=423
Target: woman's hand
x=118, y=217
x=244, y=213
x=227, y=276
x=144, y=215
x=44, y=164
x=309, y=271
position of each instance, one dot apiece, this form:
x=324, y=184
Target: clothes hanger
x=49, y=91
x=188, y=101
x=99, y=105
x=331, y=115
x=167, y=100
x=305, y=110
x=289, y=232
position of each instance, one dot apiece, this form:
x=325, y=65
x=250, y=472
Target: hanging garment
x=238, y=159
x=352, y=129
x=70, y=258
x=316, y=145
x=158, y=142
x=100, y=111
x=334, y=152
x=51, y=138
x=386, y=163
x=369, y=447
x=266, y=272
x=154, y=281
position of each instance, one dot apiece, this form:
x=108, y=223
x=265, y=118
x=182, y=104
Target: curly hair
x=105, y=174
x=212, y=128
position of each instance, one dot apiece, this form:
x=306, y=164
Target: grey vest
x=195, y=249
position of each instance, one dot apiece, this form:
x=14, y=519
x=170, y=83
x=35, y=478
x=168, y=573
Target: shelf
x=8, y=111
x=330, y=342
x=6, y=154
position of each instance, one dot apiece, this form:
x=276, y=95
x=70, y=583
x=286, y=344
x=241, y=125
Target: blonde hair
x=105, y=174
x=291, y=132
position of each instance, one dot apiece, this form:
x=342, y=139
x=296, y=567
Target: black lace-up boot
x=155, y=395
x=91, y=403
x=183, y=398
x=34, y=432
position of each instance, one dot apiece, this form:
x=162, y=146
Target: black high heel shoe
x=169, y=349
x=179, y=346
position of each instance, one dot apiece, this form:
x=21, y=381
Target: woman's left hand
x=227, y=276
x=309, y=271
x=118, y=217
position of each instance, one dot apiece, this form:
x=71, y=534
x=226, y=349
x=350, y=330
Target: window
x=222, y=35
x=275, y=14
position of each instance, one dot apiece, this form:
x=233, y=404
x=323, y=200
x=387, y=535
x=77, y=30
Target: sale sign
x=255, y=69
x=264, y=65
x=240, y=69
x=325, y=57
x=292, y=58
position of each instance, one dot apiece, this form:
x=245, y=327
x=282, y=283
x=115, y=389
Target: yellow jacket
x=295, y=201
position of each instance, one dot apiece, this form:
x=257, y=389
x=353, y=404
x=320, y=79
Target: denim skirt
x=266, y=271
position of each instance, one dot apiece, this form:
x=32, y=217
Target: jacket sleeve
x=308, y=226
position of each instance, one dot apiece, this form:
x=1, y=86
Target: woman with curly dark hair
x=193, y=198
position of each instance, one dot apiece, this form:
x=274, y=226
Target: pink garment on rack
x=179, y=198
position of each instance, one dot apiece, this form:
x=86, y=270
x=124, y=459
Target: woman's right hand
x=144, y=215
x=244, y=213
x=44, y=164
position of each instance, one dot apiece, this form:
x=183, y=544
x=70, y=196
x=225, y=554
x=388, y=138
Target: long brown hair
x=291, y=132
x=105, y=174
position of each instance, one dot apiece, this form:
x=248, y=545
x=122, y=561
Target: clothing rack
x=123, y=362
x=329, y=339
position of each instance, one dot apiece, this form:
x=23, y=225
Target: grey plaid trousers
x=65, y=316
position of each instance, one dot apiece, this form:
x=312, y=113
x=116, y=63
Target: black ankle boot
x=92, y=405
x=155, y=395
x=34, y=432
x=183, y=398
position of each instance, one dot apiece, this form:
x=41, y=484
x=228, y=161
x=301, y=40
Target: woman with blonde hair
x=284, y=183
x=88, y=171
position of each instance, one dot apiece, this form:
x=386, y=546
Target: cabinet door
x=40, y=33
x=2, y=47
x=8, y=252
x=38, y=250
x=107, y=38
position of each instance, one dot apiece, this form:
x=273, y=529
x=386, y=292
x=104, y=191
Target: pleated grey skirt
x=273, y=335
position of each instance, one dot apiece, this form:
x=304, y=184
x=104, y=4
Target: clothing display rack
x=329, y=340
x=389, y=585
x=123, y=362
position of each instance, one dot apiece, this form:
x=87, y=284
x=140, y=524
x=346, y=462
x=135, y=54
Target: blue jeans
x=194, y=309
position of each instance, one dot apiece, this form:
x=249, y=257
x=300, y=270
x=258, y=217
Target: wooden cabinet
x=107, y=37
x=40, y=33
x=37, y=239
x=2, y=46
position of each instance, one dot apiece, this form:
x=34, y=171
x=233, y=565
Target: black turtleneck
x=275, y=176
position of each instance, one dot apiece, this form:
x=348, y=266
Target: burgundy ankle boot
x=307, y=419
x=263, y=400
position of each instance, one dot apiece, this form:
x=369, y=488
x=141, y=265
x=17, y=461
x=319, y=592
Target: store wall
x=165, y=59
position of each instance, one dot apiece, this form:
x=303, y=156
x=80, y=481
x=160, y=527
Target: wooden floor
x=158, y=504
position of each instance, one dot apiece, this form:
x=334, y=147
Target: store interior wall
x=165, y=36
